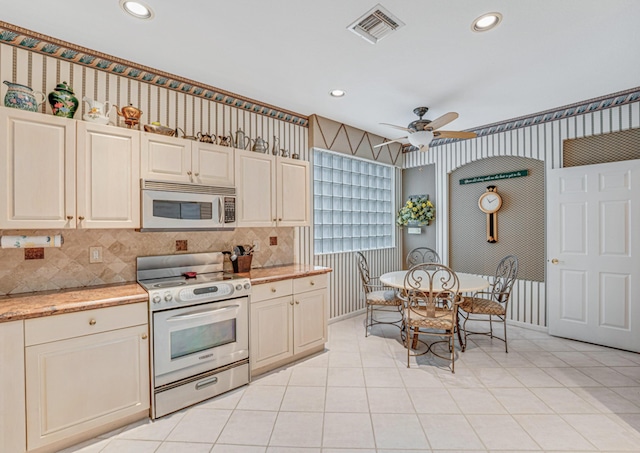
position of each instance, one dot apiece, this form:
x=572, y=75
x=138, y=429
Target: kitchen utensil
x=130, y=114
x=260, y=145
x=184, y=135
x=21, y=97
x=98, y=111
x=274, y=147
x=241, y=140
x=206, y=137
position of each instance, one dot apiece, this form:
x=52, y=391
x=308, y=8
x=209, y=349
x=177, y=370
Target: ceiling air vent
x=376, y=24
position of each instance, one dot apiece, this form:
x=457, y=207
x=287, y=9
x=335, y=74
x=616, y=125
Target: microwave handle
x=199, y=313
x=221, y=218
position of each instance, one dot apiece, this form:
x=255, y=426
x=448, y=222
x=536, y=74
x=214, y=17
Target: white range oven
x=199, y=324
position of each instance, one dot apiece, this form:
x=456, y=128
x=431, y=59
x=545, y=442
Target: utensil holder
x=242, y=263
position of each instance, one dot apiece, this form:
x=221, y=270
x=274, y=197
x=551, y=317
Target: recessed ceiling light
x=337, y=93
x=486, y=22
x=136, y=9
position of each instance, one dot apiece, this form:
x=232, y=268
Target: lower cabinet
x=12, y=410
x=288, y=321
x=84, y=371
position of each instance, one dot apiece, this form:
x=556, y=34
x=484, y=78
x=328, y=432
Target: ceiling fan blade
x=442, y=120
x=454, y=134
x=397, y=127
x=397, y=140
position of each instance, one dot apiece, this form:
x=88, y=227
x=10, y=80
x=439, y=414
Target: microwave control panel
x=229, y=209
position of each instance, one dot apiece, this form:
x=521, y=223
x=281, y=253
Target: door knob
x=555, y=261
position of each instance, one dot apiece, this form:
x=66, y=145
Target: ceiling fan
x=422, y=132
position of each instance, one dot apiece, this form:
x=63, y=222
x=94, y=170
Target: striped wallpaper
x=541, y=140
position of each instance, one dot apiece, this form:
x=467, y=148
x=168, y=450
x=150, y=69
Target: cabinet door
x=165, y=158
x=85, y=382
x=255, y=181
x=293, y=192
x=108, y=161
x=271, y=331
x=212, y=164
x=12, y=410
x=37, y=170
x=309, y=320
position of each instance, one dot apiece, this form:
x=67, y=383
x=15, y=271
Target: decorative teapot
x=98, y=111
x=184, y=134
x=206, y=137
x=274, y=147
x=223, y=140
x=130, y=113
x=21, y=97
x=260, y=146
x=241, y=141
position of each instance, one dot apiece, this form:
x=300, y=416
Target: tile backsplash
x=69, y=267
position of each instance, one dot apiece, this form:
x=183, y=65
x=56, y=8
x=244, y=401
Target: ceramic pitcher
x=98, y=111
x=21, y=97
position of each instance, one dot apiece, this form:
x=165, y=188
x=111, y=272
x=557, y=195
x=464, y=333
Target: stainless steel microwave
x=170, y=205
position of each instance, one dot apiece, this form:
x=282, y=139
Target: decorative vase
x=63, y=102
x=21, y=97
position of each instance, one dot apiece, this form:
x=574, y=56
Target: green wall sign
x=508, y=175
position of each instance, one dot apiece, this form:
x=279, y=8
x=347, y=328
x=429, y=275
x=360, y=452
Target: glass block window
x=352, y=203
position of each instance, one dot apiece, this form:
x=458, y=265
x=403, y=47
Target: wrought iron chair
x=431, y=290
x=491, y=304
x=422, y=255
x=377, y=296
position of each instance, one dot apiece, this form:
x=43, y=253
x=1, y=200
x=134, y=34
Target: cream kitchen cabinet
x=12, y=407
x=62, y=174
x=37, y=170
x=272, y=191
x=85, y=372
x=176, y=159
x=288, y=321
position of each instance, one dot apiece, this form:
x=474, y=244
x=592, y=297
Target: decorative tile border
x=36, y=42
x=568, y=111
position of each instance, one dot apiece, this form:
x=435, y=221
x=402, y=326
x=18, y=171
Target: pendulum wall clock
x=489, y=203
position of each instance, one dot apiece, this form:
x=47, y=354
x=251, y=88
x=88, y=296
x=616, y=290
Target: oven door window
x=195, y=339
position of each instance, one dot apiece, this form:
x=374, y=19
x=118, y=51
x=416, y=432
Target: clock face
x=489, y=202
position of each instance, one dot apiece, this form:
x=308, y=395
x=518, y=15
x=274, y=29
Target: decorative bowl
x=162, y=130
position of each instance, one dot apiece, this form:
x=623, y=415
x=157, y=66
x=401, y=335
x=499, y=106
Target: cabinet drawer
x=69, y=325
x=271, y=290
x=300, y=285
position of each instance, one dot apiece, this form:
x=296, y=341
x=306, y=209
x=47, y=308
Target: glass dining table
x=467, y=283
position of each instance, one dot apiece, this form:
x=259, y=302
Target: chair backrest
x=363, y=267
x=422, y=255
x=506, y=274
x=428, y=286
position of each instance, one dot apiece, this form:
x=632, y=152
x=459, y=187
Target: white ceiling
x=290, y=53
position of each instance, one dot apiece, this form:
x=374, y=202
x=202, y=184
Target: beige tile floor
x=546, y=395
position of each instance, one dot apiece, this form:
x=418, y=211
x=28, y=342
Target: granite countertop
x=262, y=275
x=46, y=303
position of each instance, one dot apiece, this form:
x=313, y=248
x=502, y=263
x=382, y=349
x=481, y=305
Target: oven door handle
x=199, y=313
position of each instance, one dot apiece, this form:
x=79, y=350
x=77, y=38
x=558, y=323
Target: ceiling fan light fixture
x=337, y=93
x=137, y=9
x=420, y=139
x=486, y=22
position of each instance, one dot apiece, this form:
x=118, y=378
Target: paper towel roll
x=22, y=242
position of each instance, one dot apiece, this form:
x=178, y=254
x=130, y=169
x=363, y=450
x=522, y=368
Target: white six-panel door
x=593, y=253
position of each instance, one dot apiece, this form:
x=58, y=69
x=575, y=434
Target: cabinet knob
x=81, y=217
x=291, y=303
x=92, y=322
x=555, y=261
x=273, y=290
x=312, y=283
x=69, y=217
x=297, y=302
x=189, y=172
x=274, y=220
x=144, y=336
x=279, y=220
x=196, y=174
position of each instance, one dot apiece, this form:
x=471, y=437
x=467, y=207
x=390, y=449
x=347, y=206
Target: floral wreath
x=418, y=210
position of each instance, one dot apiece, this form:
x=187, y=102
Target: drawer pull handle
x=92, y=322
x=206, y=383
x=144, y=336
x=273, y=290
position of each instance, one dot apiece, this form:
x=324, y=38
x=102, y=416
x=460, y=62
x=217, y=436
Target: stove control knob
x=157, y=299
x=168, y=297
x=238, y=287
x=247, y=286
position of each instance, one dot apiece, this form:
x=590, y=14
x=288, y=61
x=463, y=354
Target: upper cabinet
x=108, y=176
x=37, y=166
x=174, y=159
x=61, y=174
x=272, y=191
